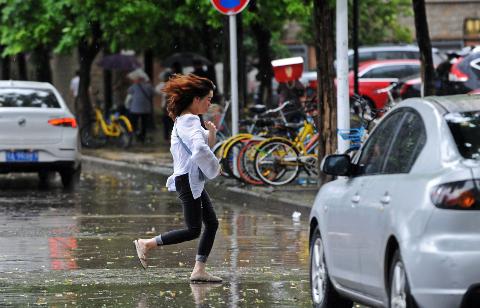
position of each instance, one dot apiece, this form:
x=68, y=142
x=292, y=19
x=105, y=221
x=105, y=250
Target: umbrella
x=119, y=62
x=137, y=74
x=185, y=59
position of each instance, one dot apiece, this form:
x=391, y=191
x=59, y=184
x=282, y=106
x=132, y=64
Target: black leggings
x=195, y=212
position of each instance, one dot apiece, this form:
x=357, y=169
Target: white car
x=38, y=133
x=400, y=226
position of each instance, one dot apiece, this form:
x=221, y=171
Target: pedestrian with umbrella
x=119, y=64
x=140, y=102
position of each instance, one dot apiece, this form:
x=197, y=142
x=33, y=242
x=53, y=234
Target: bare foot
x=141, y=252
x=203, y=276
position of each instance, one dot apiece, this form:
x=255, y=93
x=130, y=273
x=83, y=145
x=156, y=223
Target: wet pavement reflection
x=61, y=248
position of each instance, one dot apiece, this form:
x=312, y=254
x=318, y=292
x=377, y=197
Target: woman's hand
x=211, y=127
x=212, y=133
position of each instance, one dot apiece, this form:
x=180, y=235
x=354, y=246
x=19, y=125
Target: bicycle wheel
x=276, y=162
x=217, y=150
x=125, y=138
x=245, y=163
x=91, y=135
x=229, y=160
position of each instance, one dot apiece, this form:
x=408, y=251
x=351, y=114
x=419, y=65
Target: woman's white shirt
x=195, y=137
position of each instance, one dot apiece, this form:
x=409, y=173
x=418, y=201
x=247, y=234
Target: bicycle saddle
x=294, y=124
x=258, y=109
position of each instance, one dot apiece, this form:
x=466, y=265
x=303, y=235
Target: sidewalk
x=156, y=158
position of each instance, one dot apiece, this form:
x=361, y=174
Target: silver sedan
x=400, y=225
x=38, y=133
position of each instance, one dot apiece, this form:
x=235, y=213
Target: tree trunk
x=324, y=16
x=148, y=62
x=242, y=74
x=6, y=68
x=425, y=46
x=88, y=48
x=107, y=85
x=148, y=66
x=209, y=53
x=41, y=63
x=107, y=90
x=265, y=72
x=22, y=66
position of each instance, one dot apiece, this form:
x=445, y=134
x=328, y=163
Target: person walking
x=74, y=85
x=140, y=106
x=194, y=162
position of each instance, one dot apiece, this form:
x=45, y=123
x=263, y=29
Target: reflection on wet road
x=75, y=249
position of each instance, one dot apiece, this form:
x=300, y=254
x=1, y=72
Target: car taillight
x=68, y=122
x=461, y=195
x=456, y=74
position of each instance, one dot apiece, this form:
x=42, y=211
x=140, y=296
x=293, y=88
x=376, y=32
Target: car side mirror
x=337, y=164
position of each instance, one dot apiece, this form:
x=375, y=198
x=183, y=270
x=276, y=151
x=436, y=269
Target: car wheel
x=70, y=176
x=45, y=177
x=399, y=288
x=323, y=292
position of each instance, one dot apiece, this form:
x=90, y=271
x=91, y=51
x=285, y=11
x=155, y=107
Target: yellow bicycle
x=278, y=160
x=117, y=128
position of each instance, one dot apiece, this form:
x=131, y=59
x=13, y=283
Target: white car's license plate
x=22, y=156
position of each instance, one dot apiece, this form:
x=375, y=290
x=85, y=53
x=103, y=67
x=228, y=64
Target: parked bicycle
x=278, y=160
x=117, y=129
x=367, y=117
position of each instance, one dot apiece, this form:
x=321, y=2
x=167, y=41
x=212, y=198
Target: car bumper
x=442, y=269
x=45, y=154
x=37, y=166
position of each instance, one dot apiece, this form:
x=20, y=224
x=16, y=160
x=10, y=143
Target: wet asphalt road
x=61, y=248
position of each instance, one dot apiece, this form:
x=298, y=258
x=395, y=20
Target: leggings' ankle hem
x=201, y=258
x=159, y=241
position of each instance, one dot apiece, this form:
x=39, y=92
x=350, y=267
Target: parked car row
x=392, y=52
x=380, y=66
x=459, y=74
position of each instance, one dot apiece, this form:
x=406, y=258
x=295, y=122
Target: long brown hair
x=182, y=89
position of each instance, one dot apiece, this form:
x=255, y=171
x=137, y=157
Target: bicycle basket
x=354, y=135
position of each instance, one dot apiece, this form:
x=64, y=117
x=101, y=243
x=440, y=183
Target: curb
x=218, y=189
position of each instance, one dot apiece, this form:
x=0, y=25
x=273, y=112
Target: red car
x=379, y=74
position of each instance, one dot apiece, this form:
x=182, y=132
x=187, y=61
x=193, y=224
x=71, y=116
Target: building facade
x=453, y=24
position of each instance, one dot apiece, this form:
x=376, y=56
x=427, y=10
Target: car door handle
x=385, y=199
x=356, y=198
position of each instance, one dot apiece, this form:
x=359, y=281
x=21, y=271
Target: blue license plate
x=22, y=156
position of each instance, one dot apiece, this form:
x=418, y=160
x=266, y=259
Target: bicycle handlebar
x=278, y=108
x=387, y=89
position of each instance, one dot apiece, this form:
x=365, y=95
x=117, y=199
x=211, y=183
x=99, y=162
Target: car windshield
x=24, y=98
x=465, y=128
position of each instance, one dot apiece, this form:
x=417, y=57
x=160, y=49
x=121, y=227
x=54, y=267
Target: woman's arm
x=212, y=133
x=202, y=155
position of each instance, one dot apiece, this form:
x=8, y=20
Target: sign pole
x=233, y=72
x=343, y=104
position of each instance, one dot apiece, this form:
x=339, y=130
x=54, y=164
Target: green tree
x=87, y=25
x=25, y=30
x=266, y=20
x=379, y=21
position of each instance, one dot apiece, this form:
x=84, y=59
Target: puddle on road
x=75, y=248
